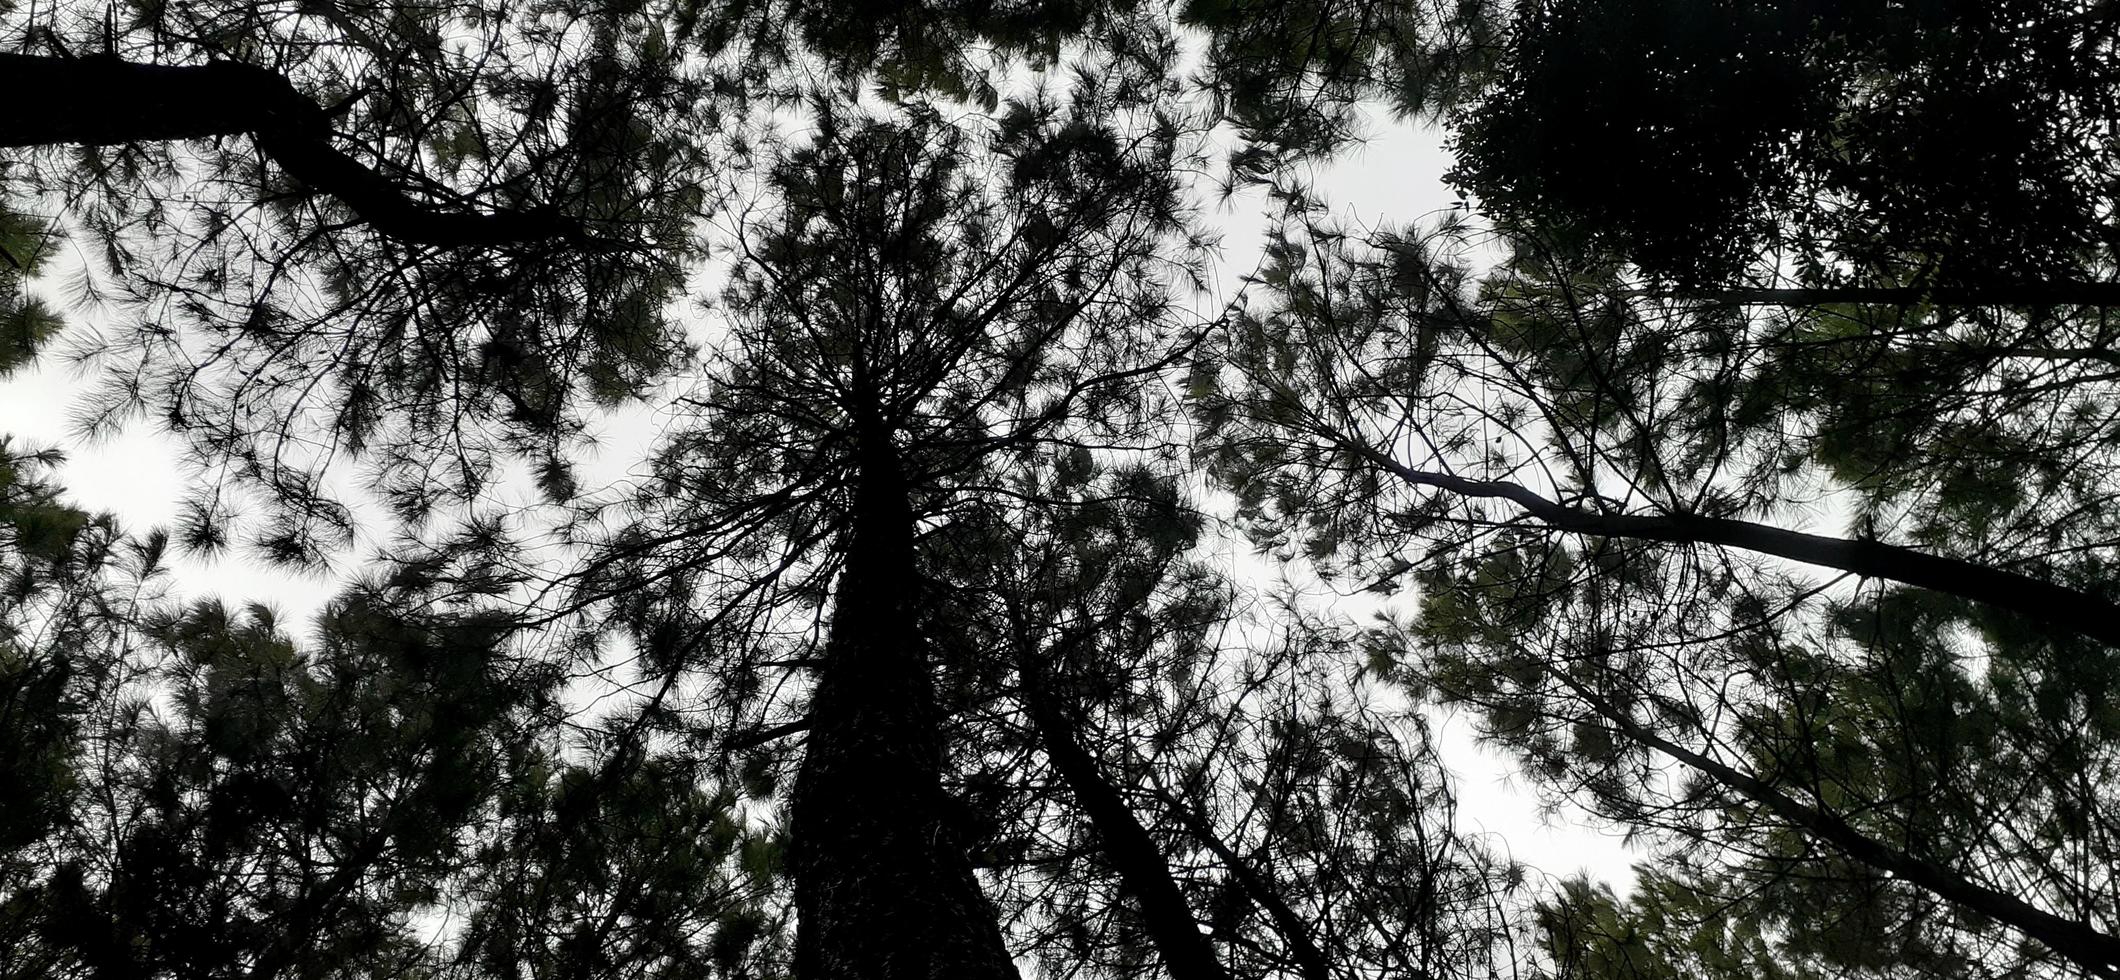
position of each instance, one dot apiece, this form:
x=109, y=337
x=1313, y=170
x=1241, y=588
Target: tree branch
x=2066, y=293
x=1310, y=960
x=103, y=101
x=2058, y=606
x=2096, y=951
x=760, y=736
x=1187, y=954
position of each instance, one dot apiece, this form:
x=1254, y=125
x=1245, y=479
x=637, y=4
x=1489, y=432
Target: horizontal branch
x=103, y=101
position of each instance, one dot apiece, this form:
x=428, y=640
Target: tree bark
x=2058, y=606
x=103, y=101
x=884, y=889
x=1143, y=874
x=1998, y=294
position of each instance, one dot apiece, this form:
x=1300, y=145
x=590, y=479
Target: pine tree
x=1935, y=148
x=1593, y=491
x=916, y=302
x=1752, y=492
x=430, y=239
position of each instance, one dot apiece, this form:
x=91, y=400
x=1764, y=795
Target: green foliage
x=1935, y=141
x=311, y=809
x=615, y=869
x=489, y=762
x=1665, y=929
x=286, y=804
x=1293, y=77
x=252, y=306
x=1300, y=816
x=1526, y=449
x=63, y=578
x=27, y=324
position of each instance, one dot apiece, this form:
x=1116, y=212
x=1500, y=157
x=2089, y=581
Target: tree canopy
x=1736, y=458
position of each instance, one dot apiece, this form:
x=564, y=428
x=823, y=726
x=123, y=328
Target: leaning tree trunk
x=1143, y=874
x=883, y=887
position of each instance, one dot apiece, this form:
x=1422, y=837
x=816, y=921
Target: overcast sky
x=1393, y=180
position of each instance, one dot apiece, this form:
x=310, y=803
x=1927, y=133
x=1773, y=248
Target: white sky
x=1393, y=180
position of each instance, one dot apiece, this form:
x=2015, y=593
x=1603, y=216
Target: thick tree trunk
x=883, y=887
x=1143, y=875
x=102, y=101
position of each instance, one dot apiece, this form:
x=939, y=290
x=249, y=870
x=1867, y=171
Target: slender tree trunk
x=1143, y=875
x=1310, y=960
x=883, y=887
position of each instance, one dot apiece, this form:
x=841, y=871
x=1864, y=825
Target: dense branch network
x=926, y=501
x=104, y=101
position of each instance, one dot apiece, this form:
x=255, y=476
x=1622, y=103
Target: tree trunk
x=1143, y=875
x=883, y=887
x=1310, y=960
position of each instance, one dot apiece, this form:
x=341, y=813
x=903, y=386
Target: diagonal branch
x=103, y=101
x=1311, y=963
x=1187, y=954
x=2056, y=605
x=2097, y=952
x=2057, y=293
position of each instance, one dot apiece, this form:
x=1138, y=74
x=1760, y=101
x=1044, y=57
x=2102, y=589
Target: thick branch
x=2059, y=606
x=760, y=736
x=2096, y=951
x=2067, y=293
x=102, y=101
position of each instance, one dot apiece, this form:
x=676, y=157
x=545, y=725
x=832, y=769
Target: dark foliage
x=1933, y=143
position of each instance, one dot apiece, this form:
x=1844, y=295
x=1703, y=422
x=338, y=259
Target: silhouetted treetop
x=1738, y=461
x=1935, y=143
x=432, y=238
